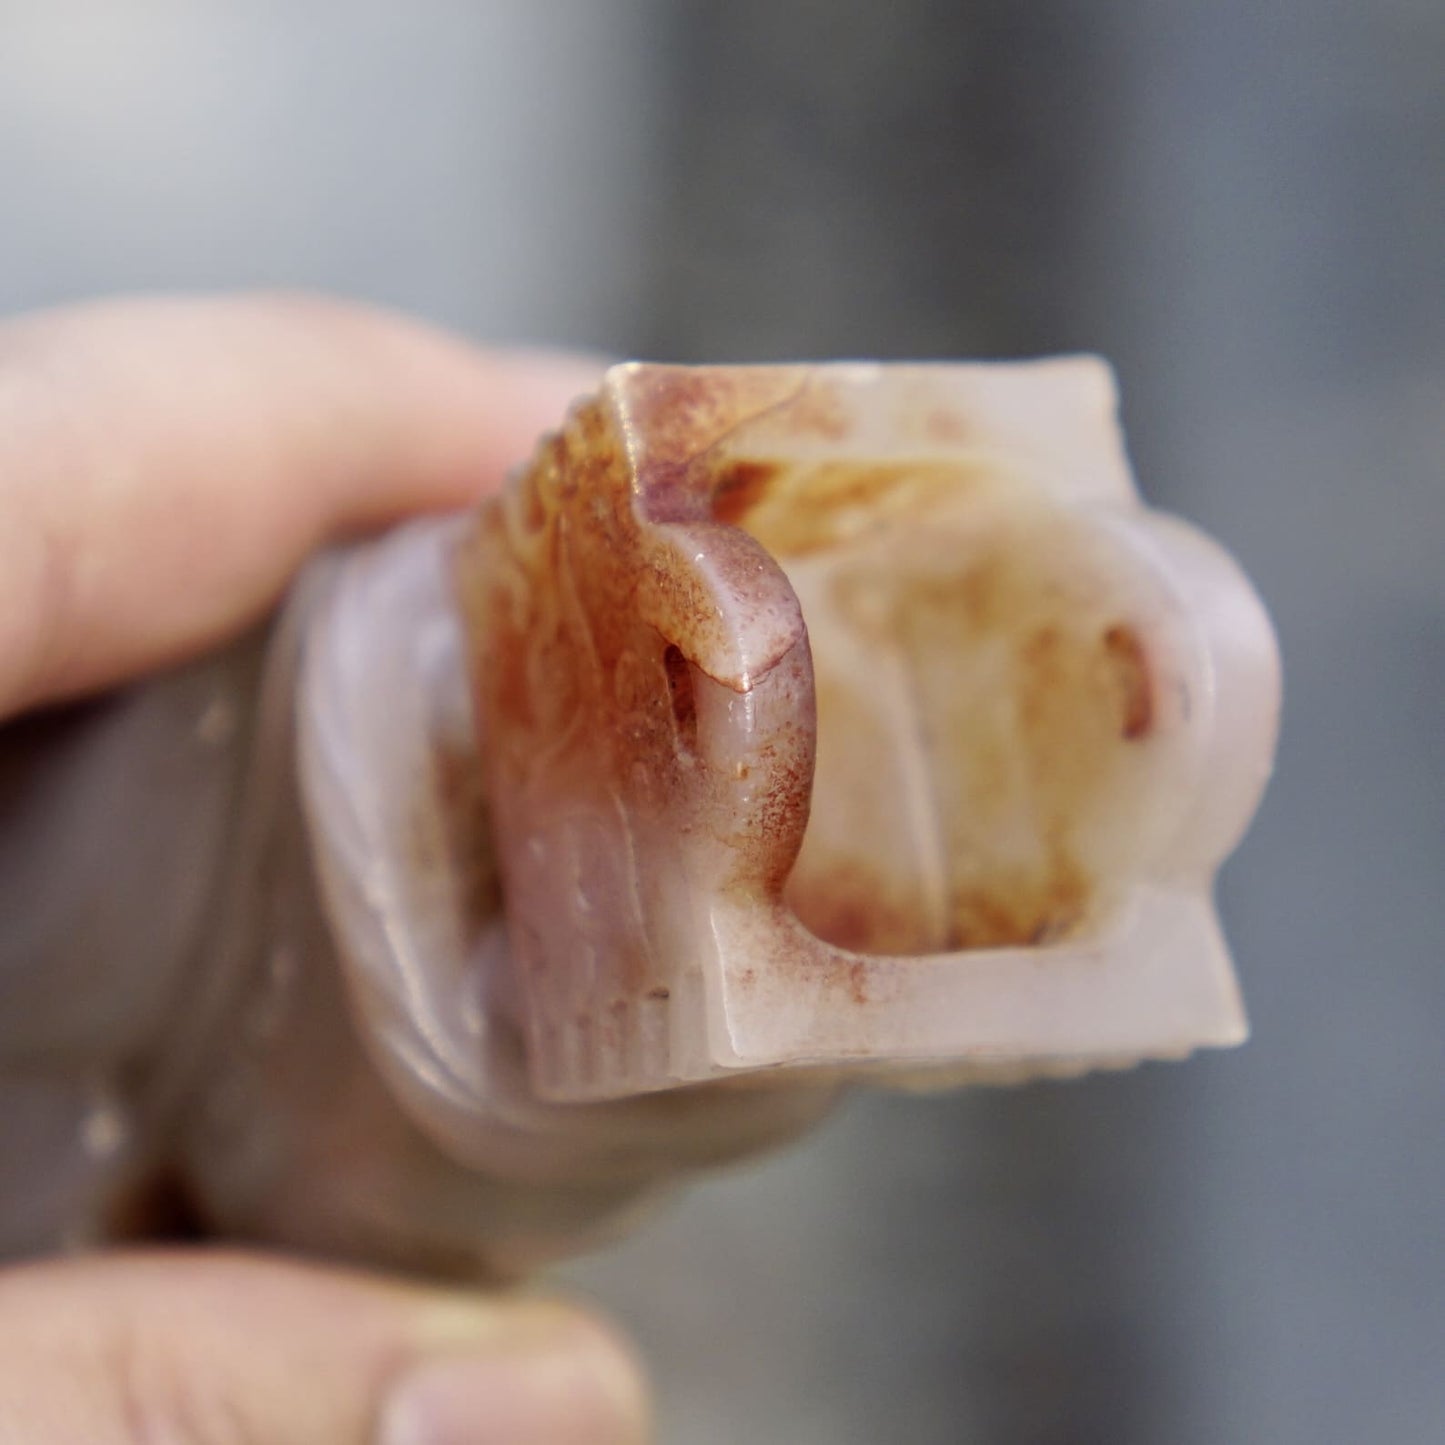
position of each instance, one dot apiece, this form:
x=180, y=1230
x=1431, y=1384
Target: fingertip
x=173, y=460
x=557, y=1378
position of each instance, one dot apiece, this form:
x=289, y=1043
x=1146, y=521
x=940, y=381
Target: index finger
x=165, y=465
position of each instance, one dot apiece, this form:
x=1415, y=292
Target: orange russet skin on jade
x=788, y=676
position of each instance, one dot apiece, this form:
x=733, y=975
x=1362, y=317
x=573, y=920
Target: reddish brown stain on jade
x=945, y=427
x=858, y=981
x=1129, y=664
x=740, y=488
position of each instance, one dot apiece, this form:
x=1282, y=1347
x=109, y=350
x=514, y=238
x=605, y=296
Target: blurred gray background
x=1243, y=206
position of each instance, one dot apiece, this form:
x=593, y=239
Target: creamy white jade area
x=381, y=695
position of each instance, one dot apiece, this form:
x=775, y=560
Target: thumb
x=213, y=1349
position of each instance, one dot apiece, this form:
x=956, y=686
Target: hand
x=165, y=466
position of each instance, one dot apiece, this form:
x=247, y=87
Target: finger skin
x=195, y=1348
x=166, y=464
